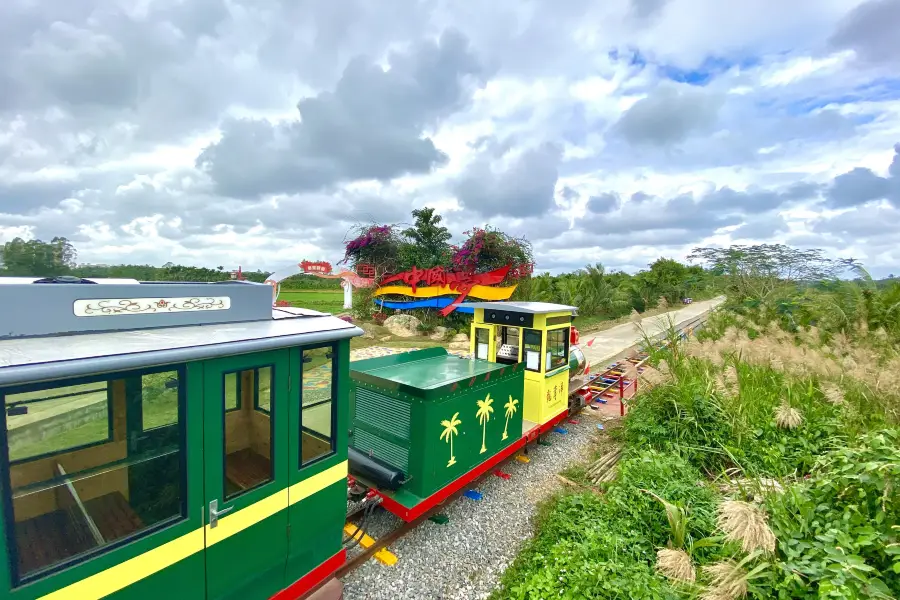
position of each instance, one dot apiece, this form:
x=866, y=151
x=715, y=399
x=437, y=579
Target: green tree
x=669, y=279
x=760, y=272
x=597, y=293
x=36, y=258
x=426, y=243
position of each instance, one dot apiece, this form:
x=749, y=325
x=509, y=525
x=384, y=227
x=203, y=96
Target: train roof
x=61, y=331
x=533, y=308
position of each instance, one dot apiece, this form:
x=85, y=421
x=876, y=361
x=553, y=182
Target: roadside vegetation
x=760, y=461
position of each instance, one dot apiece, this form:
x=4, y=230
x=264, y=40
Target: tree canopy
x=37, y=258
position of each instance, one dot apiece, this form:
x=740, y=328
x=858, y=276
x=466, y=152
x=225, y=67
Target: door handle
x=215, y=513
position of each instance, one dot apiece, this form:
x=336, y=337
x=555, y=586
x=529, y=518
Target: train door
x=246, y=474
x=318, y=461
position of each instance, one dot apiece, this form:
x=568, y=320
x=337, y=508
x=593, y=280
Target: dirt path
x=610, y=344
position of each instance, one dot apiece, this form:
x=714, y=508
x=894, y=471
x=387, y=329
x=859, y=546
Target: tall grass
x=760, y=464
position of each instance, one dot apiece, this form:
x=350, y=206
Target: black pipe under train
x=381, y=474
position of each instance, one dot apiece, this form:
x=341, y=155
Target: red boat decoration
x=459, y=282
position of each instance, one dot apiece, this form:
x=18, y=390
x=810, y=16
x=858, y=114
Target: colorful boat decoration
x=481, y=292
x=460, y=284
x=436, y=303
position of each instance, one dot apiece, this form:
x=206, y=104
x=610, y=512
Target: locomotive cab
x=536, y=334
x=166, y=436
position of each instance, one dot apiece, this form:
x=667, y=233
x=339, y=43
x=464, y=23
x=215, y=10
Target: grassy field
x=322, y=300
x=755, y=464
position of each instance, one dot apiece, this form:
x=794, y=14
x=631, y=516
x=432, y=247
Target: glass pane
x=232, y=391
x=81, y=498
x=263, y=389
x=317, y=373
x=159, y=399
x=248, y=434
x=56, y=419
x=316, y=418
x=557, y=347
x=532, y=349
x=482, y=343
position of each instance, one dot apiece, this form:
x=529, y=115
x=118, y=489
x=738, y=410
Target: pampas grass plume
x=787, y=417
x=728, y=581
x=675, y=565
x=746, y=523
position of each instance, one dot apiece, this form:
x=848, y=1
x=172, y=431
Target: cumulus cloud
x=861, y=185
x=521, y=186
x=369, y=127
x=669, y=115
x=871, y=30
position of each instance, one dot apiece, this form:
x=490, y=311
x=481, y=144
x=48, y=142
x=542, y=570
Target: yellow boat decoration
x=482, y=292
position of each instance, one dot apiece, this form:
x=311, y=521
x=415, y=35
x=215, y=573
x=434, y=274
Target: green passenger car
x=456, y=413
x=175, y=440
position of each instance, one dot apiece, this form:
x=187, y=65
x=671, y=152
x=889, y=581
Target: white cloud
x=519, y=115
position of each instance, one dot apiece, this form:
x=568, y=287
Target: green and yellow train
x=191, y=441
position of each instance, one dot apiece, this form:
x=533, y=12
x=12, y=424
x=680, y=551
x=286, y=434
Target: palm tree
x=484, y=415
x=510, y=411
x=448, y=433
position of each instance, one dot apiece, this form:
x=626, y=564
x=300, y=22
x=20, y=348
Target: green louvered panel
x=383, y=412
x=391, y=453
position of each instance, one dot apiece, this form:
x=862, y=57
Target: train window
x=532, y=349
x=317, y=414
x=262, y=392
x=80, y=476
x=557, y=348
x=26, y=441
x=248, y=433
x=232, y=392
x=510, y=337
x=482, y=342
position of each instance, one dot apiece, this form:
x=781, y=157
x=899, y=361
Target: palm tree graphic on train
x=510, y=407
x=484, y=415
x=448, y=433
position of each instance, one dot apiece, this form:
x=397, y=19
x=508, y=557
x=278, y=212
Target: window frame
x=565, y=345
x=16, y=579
x=271, y=414
x=239, y=391
x=334, y=406
x=256, y=406
x=540, y=337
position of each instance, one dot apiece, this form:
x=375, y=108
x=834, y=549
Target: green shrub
x=839, y=531
x=589, y=546
x=718, y=429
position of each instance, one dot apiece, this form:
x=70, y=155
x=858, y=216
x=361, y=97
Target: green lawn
x=322, y=300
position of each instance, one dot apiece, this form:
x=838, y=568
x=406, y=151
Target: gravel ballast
x=465, y=558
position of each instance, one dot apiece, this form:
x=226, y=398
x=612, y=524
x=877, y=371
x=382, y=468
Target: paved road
x=612, y=343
